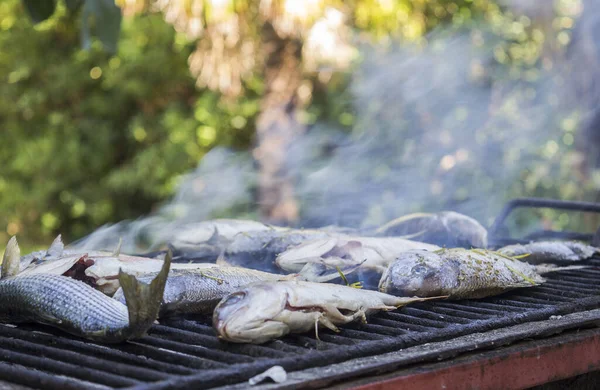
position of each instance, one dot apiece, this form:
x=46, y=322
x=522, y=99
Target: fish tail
x=547, y=268
x=11, y=260
x=143, y=300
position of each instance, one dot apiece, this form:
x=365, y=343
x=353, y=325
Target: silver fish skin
x=199, y=291
x=101, y=267
x=446, y=228
x=79, y=309
x=457, y=273
x=104, y=270
x=367, y=252
x=268, y=310
x=217, y=232
x=260, y=249
x=551, y=252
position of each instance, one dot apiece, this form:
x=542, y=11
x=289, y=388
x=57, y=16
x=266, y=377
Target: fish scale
x=60, y=301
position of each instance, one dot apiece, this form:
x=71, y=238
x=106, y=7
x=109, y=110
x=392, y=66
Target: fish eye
x=235, y=298
x=419, y=270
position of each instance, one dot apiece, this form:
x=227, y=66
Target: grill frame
x=184, y=352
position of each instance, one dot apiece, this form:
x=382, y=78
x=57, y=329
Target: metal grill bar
x=184, y=353
x=38, y=379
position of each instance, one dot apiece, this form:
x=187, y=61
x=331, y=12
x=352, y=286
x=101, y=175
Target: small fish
x=259, y=249
x=551, y=252
x=367, y=252
x=78, y=309
x=459, y=274
x=214, y=231
x=199, y=291
x=104, y=270
x=268, y=310
x=446, y=228
x=100, y=269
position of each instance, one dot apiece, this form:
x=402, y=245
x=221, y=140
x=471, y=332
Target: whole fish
x=77, y=308
x=367, y=252
x=446, y=228
x=260, y=249
x=99, y=269
x=551, y=251
x=199, y=291
x=104, y=270
x=268, y=310
x=214, y=233
x=459, y=273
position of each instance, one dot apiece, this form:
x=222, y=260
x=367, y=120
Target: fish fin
x=402, y=301
x=11, y=260
x=221, y=261
x=321, y=272
x=547, y=268
x=214, y=238
x=55, y=267
x=522, y=284
x=117, y=250
x=401, y=220
x=143, y=300
x=56, y=248
x=48, y=319
x=326, y=322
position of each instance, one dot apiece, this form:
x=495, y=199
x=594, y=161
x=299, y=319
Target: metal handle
x=544, y=203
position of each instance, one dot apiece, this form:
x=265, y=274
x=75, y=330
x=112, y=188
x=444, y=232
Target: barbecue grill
x=518, y=339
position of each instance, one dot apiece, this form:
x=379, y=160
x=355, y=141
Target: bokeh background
x=132, y=118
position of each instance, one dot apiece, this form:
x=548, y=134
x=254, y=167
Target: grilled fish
x=215, y=233
x=77, y=308
x=199, y=291
x=367, y=252
x=459, y=274
x=260, y=249
x=551, y=251
x=97, y=268
x=268, y=310
x=446, y=228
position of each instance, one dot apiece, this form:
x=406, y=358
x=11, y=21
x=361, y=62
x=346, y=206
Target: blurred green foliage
x=89, y=138
x=92, y=137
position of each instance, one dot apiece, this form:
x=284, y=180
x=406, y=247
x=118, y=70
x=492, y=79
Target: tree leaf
x=101, y=19
x=39, y=10
x=73, y=5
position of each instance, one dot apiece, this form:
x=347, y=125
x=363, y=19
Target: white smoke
x=439, y=127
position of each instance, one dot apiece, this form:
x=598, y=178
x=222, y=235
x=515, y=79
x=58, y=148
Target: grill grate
x=184, y=352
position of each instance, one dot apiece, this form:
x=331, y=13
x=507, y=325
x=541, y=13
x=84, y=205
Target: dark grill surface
x=184, y=353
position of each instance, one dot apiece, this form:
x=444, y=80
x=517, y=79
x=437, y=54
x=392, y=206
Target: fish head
x=248, y=315
x=419, y=273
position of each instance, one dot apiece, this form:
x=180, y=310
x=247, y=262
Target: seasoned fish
x=551, y=251
x=199, y=291
x=457, y=273
x=446, y=228
x=368, y=252
x=77, y=308
x=268, y=310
